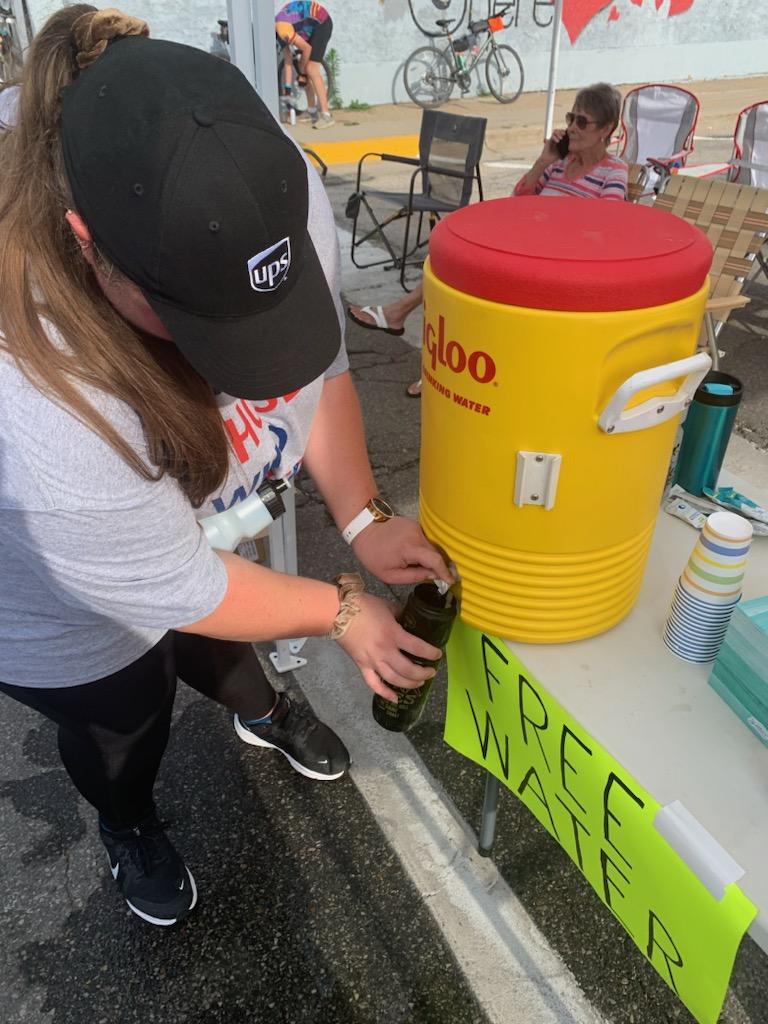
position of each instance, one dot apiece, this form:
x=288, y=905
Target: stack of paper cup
x=709, y=588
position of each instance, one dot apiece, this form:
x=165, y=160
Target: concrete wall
x=622, y=41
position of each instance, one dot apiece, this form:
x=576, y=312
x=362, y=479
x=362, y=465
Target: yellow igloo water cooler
x=559, y=351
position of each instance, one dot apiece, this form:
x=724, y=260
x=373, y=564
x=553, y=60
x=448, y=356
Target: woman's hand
x=398, y=552
x=550, y=152
x=374, y=640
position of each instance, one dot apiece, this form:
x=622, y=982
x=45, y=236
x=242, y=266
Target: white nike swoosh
x=114, y=869
x=181, y=885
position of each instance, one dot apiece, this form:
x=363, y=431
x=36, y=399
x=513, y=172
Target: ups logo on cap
x=267, y=269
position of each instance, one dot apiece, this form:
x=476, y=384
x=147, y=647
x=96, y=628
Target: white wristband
x=376, y=511
x=358, y=524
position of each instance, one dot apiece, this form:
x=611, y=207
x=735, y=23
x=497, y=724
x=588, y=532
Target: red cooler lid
x=566, y=253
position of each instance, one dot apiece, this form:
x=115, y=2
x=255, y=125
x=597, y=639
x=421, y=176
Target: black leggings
x=113, y=732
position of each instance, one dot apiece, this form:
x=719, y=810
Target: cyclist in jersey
x=307, y=26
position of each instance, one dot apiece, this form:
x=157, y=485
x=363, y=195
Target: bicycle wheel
x=504, y=73
x=428, y=77
x=299, y=95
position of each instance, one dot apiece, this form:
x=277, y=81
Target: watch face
x=381, y=509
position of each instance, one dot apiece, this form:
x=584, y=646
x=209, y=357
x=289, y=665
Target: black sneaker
x=151, y=876
x=312, y=748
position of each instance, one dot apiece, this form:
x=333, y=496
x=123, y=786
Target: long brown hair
x=44, y=276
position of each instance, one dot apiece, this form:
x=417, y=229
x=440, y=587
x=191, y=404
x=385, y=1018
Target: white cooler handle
x=616, y=419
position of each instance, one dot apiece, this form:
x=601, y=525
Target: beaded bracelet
x=350, y=585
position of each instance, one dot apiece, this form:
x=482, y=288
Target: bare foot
x=414, y=390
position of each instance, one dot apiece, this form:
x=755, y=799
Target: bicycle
x=430, y=74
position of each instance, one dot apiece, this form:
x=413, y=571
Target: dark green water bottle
x=706, y=431
x=427, y=614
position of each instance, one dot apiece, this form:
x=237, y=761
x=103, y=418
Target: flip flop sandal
x=414, y=390
x=380, y=321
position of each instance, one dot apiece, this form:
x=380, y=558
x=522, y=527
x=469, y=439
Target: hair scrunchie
x=94, y=32
x=350, y=586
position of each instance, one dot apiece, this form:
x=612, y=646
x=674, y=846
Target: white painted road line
x=507, y=164
x=516, y=977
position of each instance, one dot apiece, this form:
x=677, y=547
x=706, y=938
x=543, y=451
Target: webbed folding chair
x=735, y=219
x=657, y=126
x=442, y=180
x=636, y=174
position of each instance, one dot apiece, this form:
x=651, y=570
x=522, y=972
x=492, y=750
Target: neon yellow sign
x=503, y=718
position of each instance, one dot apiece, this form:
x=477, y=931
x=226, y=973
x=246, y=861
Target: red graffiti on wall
x=577, y=14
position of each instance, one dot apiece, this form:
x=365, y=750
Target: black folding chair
x=320, y=164
x=450, y=147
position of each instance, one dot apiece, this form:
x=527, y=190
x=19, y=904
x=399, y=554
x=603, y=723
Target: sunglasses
x=580, y=120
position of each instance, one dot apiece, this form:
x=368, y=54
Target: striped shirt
x=606, y=180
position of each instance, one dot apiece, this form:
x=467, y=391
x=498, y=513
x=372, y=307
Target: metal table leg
x=488, y=822
x=282, y=558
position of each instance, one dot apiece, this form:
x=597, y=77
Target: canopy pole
x=252, y=46
x=554, y=55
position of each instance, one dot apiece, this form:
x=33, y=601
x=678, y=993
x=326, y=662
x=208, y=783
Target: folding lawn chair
x=749, y=161
x=735, y=219
x=657, y=126
x=448, y=165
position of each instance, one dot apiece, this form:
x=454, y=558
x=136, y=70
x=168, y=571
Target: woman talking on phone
x=575, y=160
x=156, y=227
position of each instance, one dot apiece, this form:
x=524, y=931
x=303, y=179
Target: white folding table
x=659, y=718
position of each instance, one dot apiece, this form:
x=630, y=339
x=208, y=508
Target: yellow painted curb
x=350, y=151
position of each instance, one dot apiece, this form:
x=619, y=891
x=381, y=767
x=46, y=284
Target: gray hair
x=602, y=101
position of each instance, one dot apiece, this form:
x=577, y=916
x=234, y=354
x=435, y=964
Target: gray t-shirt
x=97, y=562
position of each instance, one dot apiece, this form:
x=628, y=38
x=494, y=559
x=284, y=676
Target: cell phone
x=562, y=146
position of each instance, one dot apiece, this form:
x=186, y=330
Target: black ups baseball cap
x=189, y=186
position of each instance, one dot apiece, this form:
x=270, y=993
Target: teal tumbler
x=706, y=431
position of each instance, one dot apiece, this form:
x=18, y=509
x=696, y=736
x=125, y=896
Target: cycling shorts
x=320, y=39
